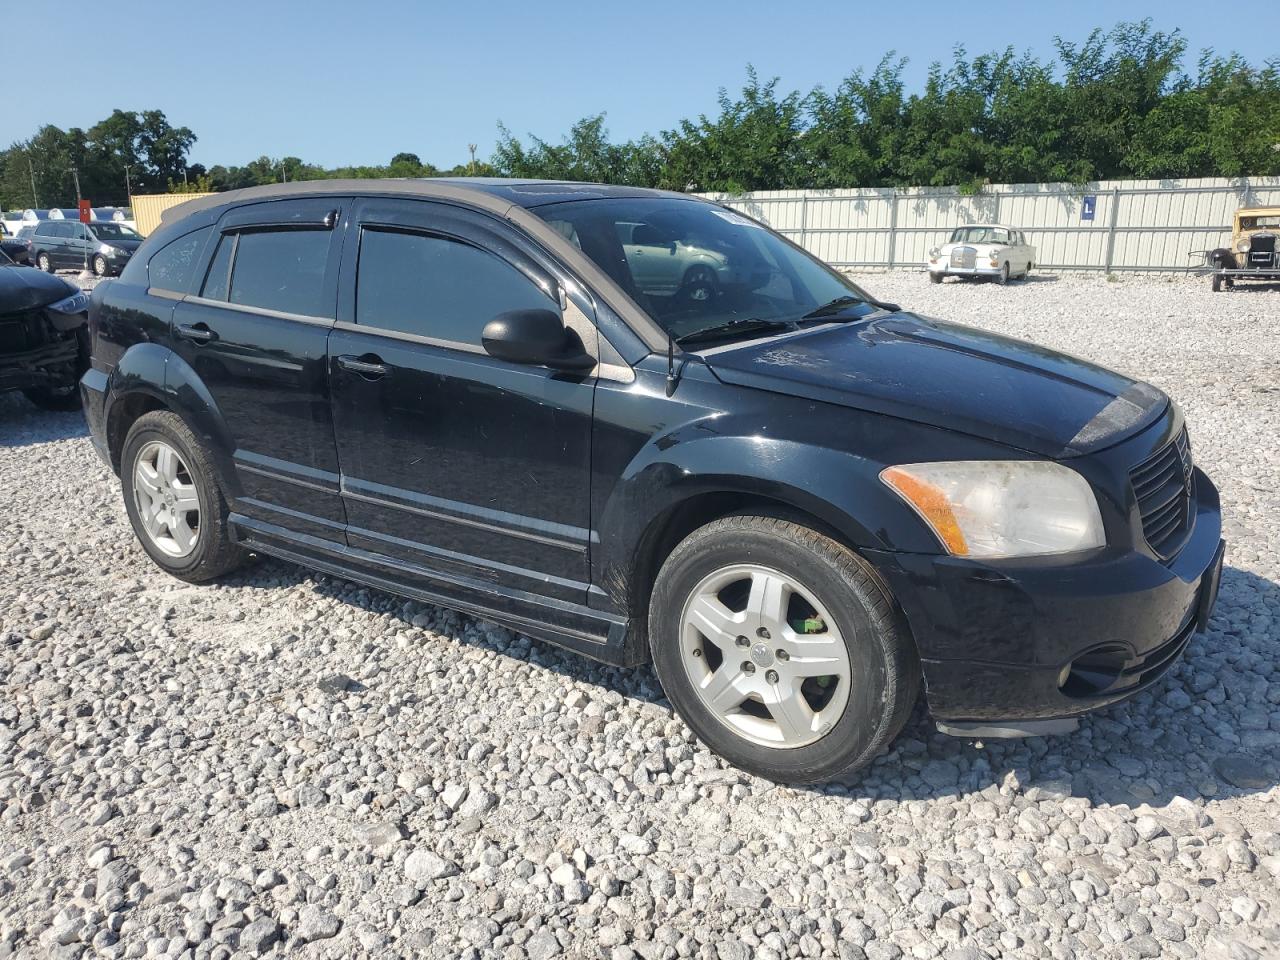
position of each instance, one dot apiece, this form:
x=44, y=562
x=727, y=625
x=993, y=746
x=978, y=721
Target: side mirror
x=537, y=338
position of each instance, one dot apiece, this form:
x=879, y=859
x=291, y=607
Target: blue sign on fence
x=1087, y=207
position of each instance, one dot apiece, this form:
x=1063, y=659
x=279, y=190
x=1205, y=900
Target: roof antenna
x=672, y=379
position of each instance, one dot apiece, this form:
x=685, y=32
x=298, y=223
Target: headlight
x=78, y=302
x=1001, y=508
x=935, y=252
x=1242, y=245
x=107, y=249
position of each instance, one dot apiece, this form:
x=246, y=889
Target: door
x=255, y=337
x=78, y=247
x=56, y=236
x=653, y=260
x=456, y=466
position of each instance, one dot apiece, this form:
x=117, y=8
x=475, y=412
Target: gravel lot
x=290, y=763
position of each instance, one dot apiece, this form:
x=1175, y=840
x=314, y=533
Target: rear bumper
x=93, y=394
x=1039, y=640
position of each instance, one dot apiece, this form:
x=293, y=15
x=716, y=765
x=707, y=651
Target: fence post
x=804, y=219
x=1111, y=226
x=893, y=227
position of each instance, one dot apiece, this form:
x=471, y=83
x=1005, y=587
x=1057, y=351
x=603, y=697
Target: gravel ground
x=289, y=763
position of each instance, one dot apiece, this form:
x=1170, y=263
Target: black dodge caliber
x=645, y=427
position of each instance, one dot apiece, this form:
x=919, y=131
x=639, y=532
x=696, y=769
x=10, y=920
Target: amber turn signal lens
x=932, y=505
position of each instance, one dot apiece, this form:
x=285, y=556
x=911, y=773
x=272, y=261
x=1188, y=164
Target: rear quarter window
x=173, y=266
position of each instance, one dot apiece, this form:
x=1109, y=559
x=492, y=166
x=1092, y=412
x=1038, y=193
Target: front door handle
x=369, y=366
x=199, y=332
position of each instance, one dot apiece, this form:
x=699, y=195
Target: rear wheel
x=1216, y=283
x=175, y=500
x=781, y=649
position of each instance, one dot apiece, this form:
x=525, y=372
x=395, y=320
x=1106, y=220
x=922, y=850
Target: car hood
x=22, y=288
x=129, y=245
x=950, y=376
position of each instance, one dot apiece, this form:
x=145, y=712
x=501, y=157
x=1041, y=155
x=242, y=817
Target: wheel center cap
x=761, y=654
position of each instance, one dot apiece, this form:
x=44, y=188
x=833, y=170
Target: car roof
x=996, y=226
x=1257, y=211
x=492, y=192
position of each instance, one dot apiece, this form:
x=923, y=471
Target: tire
x=1002, y=277
x=1027, y=272
x=935, y=277
x=881, y=673
x=44, y=263
x=700, y=284
x=99, y=266
x=212, y=553
x=1216, y=283
x=64, y=398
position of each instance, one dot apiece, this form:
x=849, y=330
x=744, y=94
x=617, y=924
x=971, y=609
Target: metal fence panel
x=1137, y=225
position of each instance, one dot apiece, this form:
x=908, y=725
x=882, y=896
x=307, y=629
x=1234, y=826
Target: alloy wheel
x=765, y=656
x=166, y=497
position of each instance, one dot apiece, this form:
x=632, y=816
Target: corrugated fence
x=148, y=208
x=1112, y=225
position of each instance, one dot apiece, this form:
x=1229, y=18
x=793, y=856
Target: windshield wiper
x=848, y=300
x=730, y=328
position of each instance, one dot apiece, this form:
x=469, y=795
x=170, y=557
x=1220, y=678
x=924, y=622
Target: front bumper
x=44, y=366
x=1041, y=639
x=977, y=270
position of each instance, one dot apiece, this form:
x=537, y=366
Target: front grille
x=1262, y=243
x=963, y=257
x=1162, y=486
x=16, y=334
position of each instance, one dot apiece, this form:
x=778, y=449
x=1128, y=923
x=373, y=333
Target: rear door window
x=280, y=270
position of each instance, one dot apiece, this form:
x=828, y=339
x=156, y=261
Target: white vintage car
x=982, y=250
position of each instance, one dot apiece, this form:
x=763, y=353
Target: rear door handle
x=369, y=366
x=199, y=332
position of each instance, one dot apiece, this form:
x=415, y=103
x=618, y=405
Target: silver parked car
x=982, y=250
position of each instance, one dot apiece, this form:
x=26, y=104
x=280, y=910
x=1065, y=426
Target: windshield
x=114, y=231
x=694, y=266
x=1255, y=223
x=979, y=235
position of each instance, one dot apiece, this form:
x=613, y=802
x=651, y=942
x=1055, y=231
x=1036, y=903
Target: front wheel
x=935, y=277
x=700, y=284
x=99, y=266
x=781, y=649
x=44, y=263
x=1216, y=283
x=175, y=500
x=1002, y=277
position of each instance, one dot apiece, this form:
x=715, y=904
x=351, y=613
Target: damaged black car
x=44, y=344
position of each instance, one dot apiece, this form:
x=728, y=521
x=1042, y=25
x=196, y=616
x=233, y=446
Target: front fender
x=842, y=490
x=1222, y=258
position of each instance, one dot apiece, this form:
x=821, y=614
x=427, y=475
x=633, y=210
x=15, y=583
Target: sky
x=356, y=82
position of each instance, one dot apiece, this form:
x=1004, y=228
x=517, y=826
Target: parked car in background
x=103, y=246
x=801, y=503
x=982, y=250
x=17, y=248
x=44, y=344
x=1253, y=254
